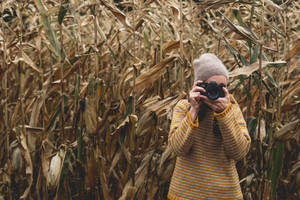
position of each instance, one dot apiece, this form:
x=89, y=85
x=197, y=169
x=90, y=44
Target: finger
x=195, y=95
x=199, y=89
x=226, y=93
x=196, y=89
x=197, y=82
x=204, y=98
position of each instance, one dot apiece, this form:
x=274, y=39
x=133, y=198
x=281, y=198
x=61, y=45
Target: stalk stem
x=62, y=79
x=181, y=48
x=6, y=127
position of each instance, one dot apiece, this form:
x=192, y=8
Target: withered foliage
x=88, y=87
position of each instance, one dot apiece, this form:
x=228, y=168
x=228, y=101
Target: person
x=208, y=137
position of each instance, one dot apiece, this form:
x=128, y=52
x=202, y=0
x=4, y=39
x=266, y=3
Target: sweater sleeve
x=234, y=131
x=180, y=135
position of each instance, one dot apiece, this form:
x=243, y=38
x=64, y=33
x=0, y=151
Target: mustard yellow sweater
x=205, y=165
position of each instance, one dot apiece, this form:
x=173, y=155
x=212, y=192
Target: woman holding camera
x=208, y=134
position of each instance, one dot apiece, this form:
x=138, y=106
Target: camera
x=213, y=90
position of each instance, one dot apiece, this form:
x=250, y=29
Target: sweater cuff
x=224, y=113
x=194, y=125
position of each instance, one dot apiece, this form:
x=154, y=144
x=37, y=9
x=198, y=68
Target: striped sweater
x=205, y=164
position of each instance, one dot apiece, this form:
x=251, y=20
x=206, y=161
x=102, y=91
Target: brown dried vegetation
x=87, y=92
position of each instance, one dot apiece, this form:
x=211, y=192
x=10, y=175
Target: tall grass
x=88, y=88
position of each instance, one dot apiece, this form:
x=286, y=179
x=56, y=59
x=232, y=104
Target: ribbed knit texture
x=205, y=165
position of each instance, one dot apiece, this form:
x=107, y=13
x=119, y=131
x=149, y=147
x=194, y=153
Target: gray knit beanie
x=208, y=65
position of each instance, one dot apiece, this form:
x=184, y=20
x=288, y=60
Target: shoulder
x=182, y=104
x=234, y=103
x=232, y=99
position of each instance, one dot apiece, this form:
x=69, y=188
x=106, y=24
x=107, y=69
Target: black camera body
x=213, y=90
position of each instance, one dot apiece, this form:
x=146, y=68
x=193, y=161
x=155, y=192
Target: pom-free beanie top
x=205, y=165
x=208, y=65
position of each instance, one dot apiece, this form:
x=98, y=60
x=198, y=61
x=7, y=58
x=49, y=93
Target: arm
x=181, y=130
x=234, y=131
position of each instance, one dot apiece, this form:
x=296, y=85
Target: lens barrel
x=213, y=90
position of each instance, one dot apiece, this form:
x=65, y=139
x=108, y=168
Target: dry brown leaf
x=29, y=62
x=286, y=129
x=115, y=161
x=126, y=41
x=117, y=13
x=153, y=74
x=170, y=46
x=128, y=191
x=248, y=70
x=163, y=104
x=104, y=184
x=90, y=116
x=35, y=113
x=293, y=90
x=141, y=173
x=293, y=51
x=91, y=170
x=29, y=166
x=146, y=123
x=241, y=30
x=176, y=14
x=47, y=149
x=167, y=173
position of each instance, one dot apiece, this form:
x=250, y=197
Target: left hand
x=220, y=104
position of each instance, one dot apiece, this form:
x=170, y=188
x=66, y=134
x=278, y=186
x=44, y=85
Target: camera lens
x=213, y=94
x=212, y=91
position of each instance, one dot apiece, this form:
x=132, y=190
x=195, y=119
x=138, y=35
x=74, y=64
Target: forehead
x=218, y=79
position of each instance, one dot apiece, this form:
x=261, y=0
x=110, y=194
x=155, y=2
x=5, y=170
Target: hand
x=195, y=99
x=220, y=104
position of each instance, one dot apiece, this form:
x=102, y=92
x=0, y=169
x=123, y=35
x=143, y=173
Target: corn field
x=88, y=87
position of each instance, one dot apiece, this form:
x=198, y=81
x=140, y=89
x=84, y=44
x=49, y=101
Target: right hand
x=195, y=99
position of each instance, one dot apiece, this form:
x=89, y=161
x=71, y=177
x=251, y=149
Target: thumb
x=226, y=93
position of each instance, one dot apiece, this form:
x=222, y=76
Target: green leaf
x=219, y=44
x=237, y=15
x=277, y=65
x=277, y=165
x=65, y=169
x=242, y=81
x=252, y=14
x=177, y=70
x=79, y=147
x=254, y=55
x=231, y=51
x=79, y=131
x=276, y=29
x=100, y=31
x=129, y=106
x=77, y=89
x=54, y=119
x=243, y=60
x=251, y=125
x=91, y=87
x=92, y=8
x=269, y=75
x=63, y=11
x=50, y=32
x=147, y=39
x=269, y=89
x=123, y=131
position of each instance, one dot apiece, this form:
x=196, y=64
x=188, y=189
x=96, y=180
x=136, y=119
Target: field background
x=88, y=88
